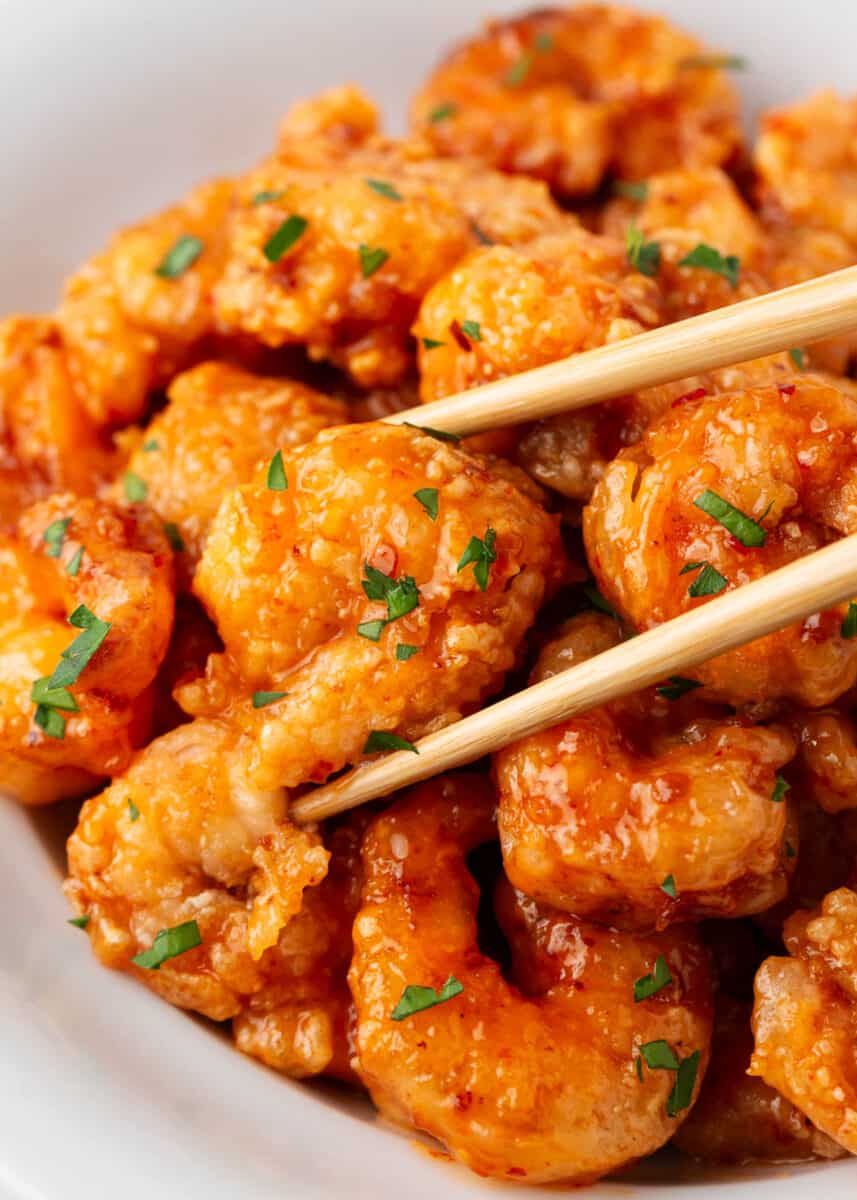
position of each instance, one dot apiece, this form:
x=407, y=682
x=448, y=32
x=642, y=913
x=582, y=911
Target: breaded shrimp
x=386, y=588
x=779, y=465
x=646, y=811
x=73, y=556
x=530, y=1081
x=805, y=1017
x=568, y=94
x=184, y=836
x=220, y=425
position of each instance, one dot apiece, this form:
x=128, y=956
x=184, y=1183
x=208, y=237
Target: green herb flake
x=744, y=528
x=416, y=998
x=76, y=656
x=440, y=435
x=384, y=189
x=75, y=561
x=714, y=62
x=135, y=488
x=80, y=922
x=481, y=236
x=263, y=699
x=182, y=254
x=431, y=344
x=50, y=721
x=709, y=581
x=781, y=786
x=133, y=811
x=643, y=256
x=442, y=112
x=53, y=697
x=428, y=498
x=169, y=943
x=404, y=651
x=543, y=43
x=284, y=237
x=482, y=553
x=682, y=1093
x=659, y=1056
x=379, y=740
x=151, y=446
x=649, y=985
x=790, y=850
x=401, y=595
x=54, y=535
x=371, y=630
x=676, y=687
x=519, y=70
x=630, y=189
x=669, y=888
x=269, y=197
x=798, y=357
x=848, y=628
x=598, y=602
x=276, y=480
x=174, y=537
x=472, y=330
x=709, y=259
x=372, y=258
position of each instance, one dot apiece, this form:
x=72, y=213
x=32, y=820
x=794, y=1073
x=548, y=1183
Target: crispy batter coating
x=805, y=1017
x=597, y=812
x=220, y=425
x=281, y=576
x=184, y=835
x=568, y=94
x=125, y=578
x=529, y=305
x=782, y=455
x=464, y=1070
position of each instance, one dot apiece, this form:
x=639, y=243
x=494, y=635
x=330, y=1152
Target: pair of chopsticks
x=795, y=316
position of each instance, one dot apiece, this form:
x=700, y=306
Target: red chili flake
x=696, y=394
x=463, y=1101
x=460, y=336
x=786, y=389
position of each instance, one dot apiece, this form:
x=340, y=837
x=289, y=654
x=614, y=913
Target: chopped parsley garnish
x=416, y=998
x=173, y=536
x=76, y=656
x=440, y=434
x=428, y=498
x=169, y=943
x=718, y=62
x=709, y=581
x=472, y=330
x=781, y=786
x=371, y=630
x=379, y=740
x=798, y=357
x=659, y=1056
x=150, y=446
x=643, y=256
x=676, y=687
x=384, y=189
x=50, y=721
x=182, y=254
x=631, y=189
x=482, y=553
x=709, y=259
x=404, y=651
x=54, y=535
x=276, y=480
x=269, y=197
x=848, y=628
x=79, y=922
x=134, y=487
x=431, y=343
x=263, y=699
x=595, y=598
x=680, y=1097
x=75, y=561
x=284, y=237
x=520, y=68
x=442, y=112
x=401, y=595
x=790, y=850
x=747, y=531
x=669, y=887
x=649, y=985
x=53, y=697
x=372, y=258
x=481, y=236
x=133, y=811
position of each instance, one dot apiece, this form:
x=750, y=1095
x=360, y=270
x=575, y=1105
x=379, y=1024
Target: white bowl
x=110, y=109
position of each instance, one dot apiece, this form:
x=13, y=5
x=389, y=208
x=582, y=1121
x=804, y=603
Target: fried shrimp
x=507, y=309
x=568, y=94
x=805, y=1017
x=464, y=1071
x=79, y=559
x=386, y=587
x=738, y=485
x=650, y=810
x=220, y=425
x=183, y=836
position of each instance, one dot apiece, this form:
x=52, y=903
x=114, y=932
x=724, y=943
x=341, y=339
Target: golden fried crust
x=464, y=1070
x=220, y=425
x=529, y=305
x=596, y=813
x=784, y=455
x=281, y=575
x=124, y=577
x=568, y=94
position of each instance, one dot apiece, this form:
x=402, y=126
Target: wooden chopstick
x=809, y=585
x=791, y=318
